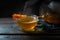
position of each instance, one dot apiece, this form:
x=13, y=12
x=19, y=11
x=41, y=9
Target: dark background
x=8, y=7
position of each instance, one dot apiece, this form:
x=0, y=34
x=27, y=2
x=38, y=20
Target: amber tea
x=28, y=23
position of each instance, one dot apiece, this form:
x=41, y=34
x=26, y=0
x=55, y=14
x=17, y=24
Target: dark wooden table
x=9, y=26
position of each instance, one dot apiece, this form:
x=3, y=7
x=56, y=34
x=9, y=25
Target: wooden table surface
x=9, y=26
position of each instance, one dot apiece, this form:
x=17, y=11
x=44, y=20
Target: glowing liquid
x=28, y=25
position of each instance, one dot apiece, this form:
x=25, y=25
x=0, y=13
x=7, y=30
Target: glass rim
x=35, y=19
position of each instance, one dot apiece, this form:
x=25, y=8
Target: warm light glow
x=42, y=16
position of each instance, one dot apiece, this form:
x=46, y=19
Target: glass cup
x=28, y=24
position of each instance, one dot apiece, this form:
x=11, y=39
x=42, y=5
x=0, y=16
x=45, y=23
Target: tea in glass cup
x=28, y=23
